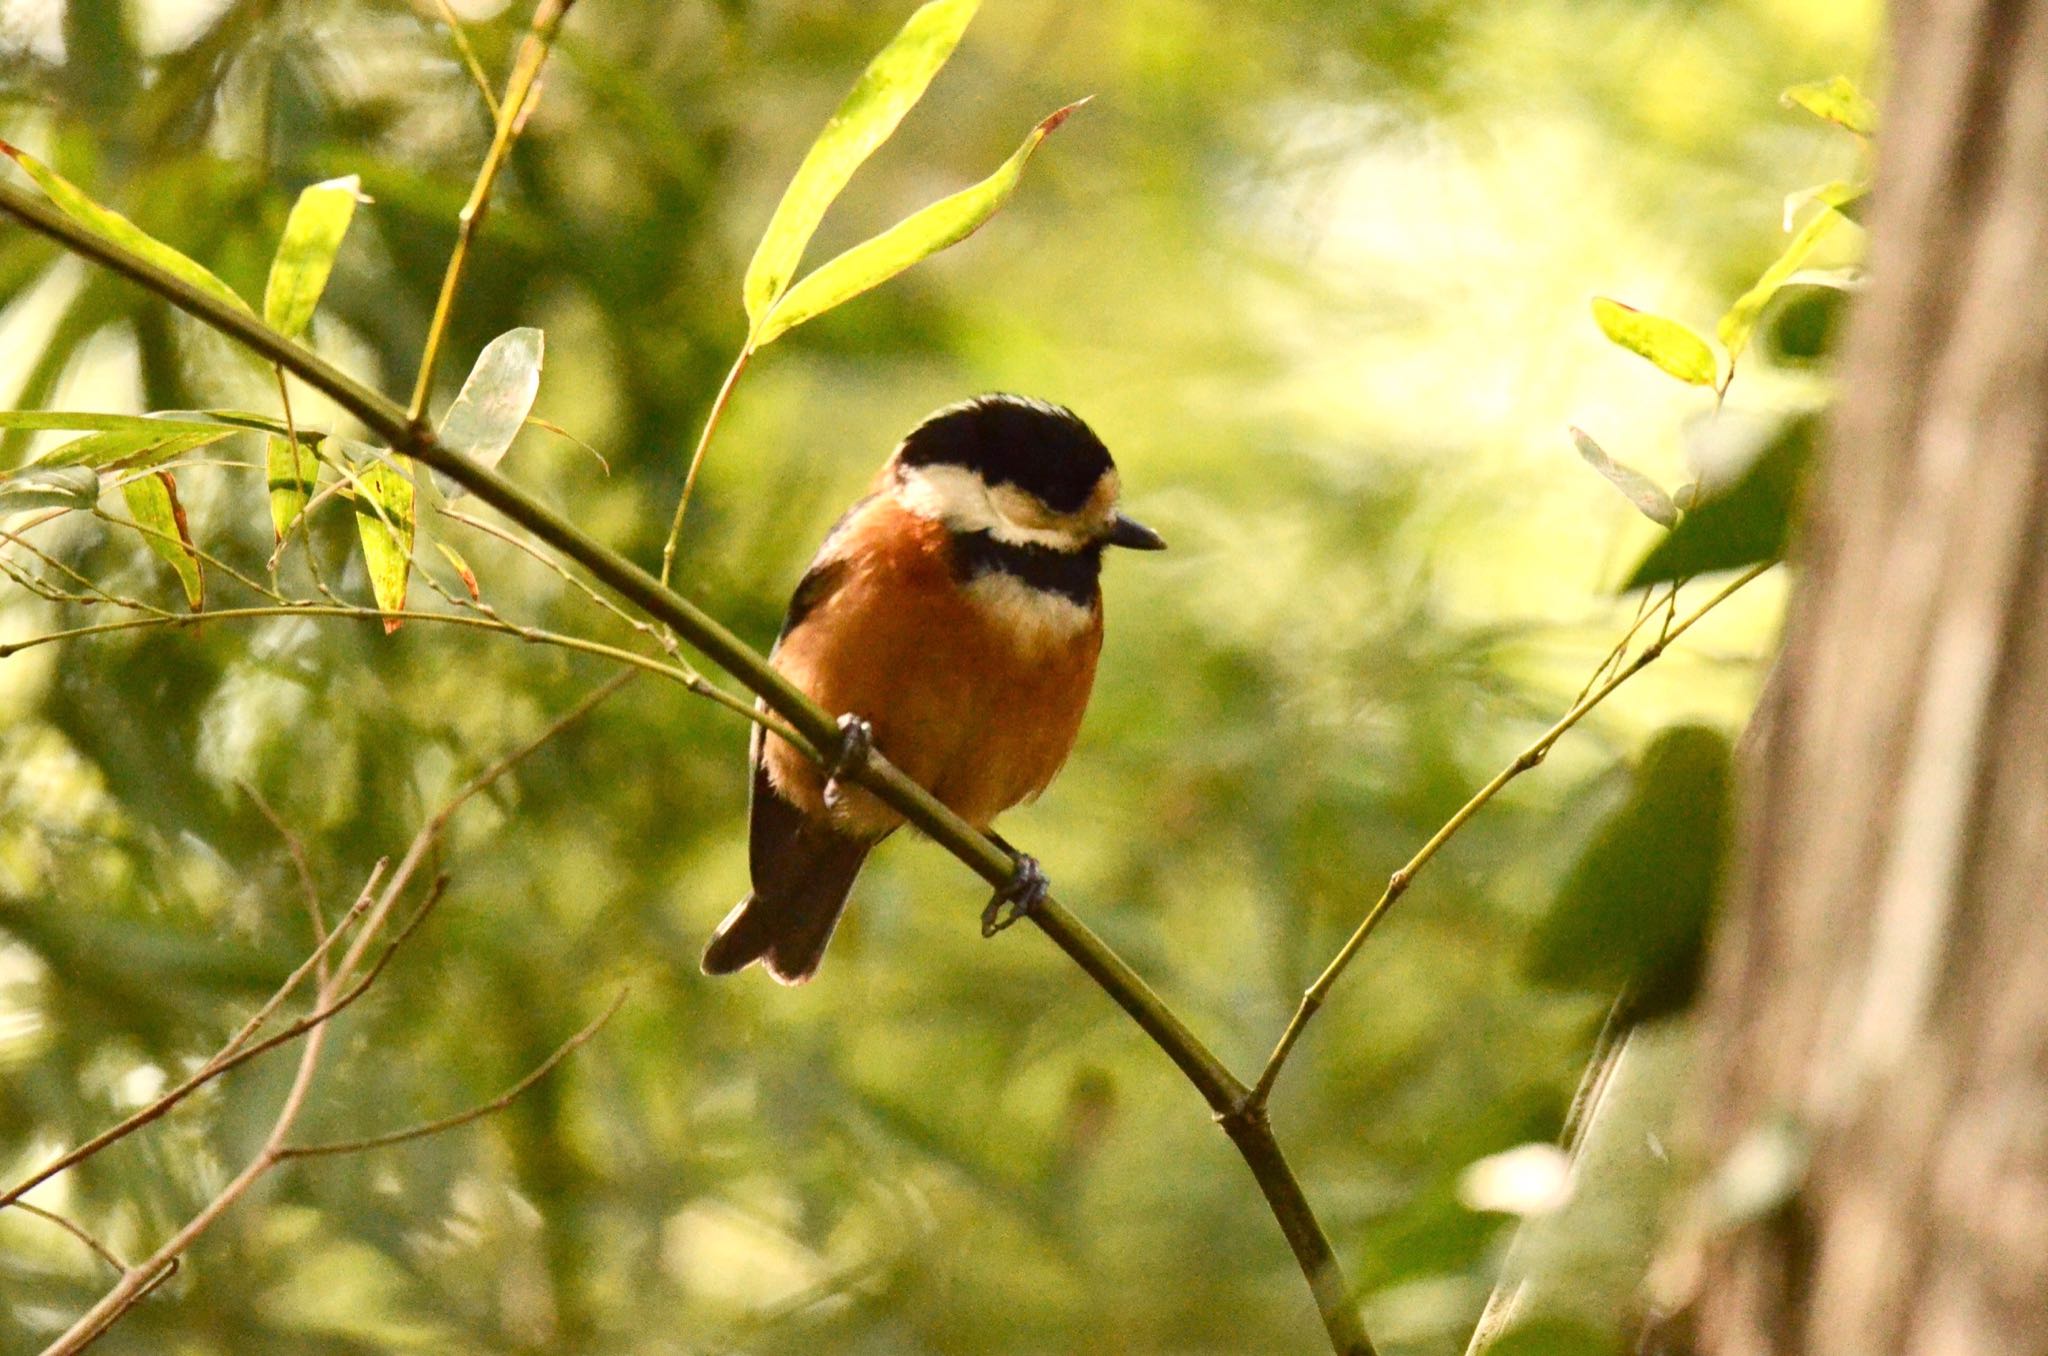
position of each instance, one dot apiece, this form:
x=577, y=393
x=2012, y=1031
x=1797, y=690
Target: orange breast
x=975, y=696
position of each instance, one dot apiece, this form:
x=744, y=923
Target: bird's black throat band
x=1073, y=575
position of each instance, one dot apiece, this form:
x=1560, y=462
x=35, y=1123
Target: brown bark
x=1882, y=973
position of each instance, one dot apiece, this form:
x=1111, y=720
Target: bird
x=951, y=619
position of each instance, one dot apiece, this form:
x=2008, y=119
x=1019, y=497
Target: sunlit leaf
x=153, y=500
x=131, y=449
x=1736, y=327
x=113, y=226
x=1665, y=342
x=1633, y=911
x=1637, y=488
x=493, y=403
x=1837, y=101
x=1843, y=195
x=916, y=237
x=291, y=472
x=305, y=253
x=384, y=521
x=468, y=576
x=68, y=487
x=893, y=82
x=1749, y=520
x=1848, y=278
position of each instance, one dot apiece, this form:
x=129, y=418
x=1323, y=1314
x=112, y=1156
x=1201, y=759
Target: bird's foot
x=1026, y=890
x=856, y=742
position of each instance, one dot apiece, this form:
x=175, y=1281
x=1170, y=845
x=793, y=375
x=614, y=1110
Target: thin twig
x=1397, y=885
x=475, y=67
x=675, y=527
x=460, y=1118
x=78, y=1232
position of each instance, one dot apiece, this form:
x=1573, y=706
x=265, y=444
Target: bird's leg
x=1025, y=890
x=856, y=742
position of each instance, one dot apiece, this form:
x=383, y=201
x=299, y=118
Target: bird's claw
x=1025, y=891
x=856, y=742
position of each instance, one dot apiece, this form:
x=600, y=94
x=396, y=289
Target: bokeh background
x=1317, y=272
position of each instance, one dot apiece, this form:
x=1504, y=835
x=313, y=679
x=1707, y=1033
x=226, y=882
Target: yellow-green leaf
x=1735, y=328
x=1665, y=342
x=127, y=449
x=1837, y=101
x=73, y=202
x=918, y=236
x=292, y=475
x=891, y=85
x=476, y=593
x=384, y=521
x=305, y=253
x=153, y=499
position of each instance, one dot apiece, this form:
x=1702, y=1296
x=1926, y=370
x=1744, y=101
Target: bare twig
x=1313, y=997
x=460, y=1118
x=468, y=53
x=333, y=995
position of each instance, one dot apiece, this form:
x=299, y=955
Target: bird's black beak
x=1134, y=534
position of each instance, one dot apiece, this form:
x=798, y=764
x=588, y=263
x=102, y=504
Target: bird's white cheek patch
x=1037, y=618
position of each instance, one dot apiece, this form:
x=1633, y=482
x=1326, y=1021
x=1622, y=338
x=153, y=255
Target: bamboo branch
x=1313, y=998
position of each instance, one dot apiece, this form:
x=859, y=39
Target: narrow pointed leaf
x=494, y=400
x=132, y=449
x=891, y=85
x=68, y=487
x=153, y=500
x=454, y=557
x=1646, y=494
x=1837, y=101
x=292, y=471
x=73, y=202
x=305, y=253
x=1665, y=342
x=1736, y=327
x=384, y=522
x=917, y=237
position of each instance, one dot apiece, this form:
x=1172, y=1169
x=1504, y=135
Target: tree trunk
x=1881, y=976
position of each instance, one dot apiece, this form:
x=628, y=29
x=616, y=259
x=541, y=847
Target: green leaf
x=1736, y=327
x=1646, y=494
x=491, y=407
x=1837, y=101
x=305, y=253
x=893, y=82
x=1670, y=345
x=1633, y=909
x=68, y=487
x=918, y=236
x=117, y=228
x=153, y=499
x=384, y=521
x=130, y=449
x=1749, y=520
x=292, y=472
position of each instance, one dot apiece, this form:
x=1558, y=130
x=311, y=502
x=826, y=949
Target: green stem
x=675, y=527
x=511, y=118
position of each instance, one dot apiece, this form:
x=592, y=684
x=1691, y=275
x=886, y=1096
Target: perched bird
x=952, y=618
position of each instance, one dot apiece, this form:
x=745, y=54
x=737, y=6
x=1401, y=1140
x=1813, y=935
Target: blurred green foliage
x=1317, y=272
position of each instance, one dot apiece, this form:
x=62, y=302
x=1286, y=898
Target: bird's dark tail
x=803, y=871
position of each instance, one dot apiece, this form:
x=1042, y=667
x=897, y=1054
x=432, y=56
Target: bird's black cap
x=1011, y=440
